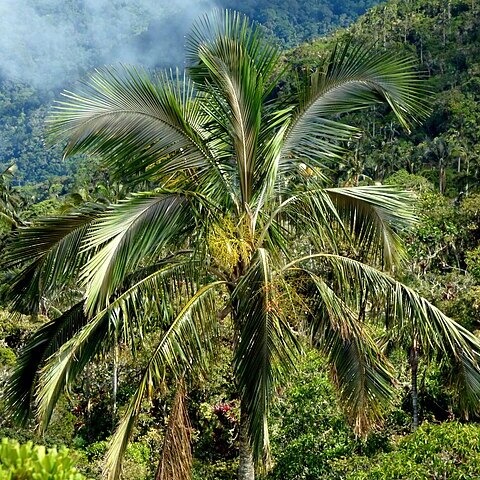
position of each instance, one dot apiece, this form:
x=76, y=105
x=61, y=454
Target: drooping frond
x=141, y=128
x=353, y=77
x=51, y=250
x=66, y=364
x=370, y=213
x=465, y=378
x=128, y=232
x=185, y=345
x=19, y=390
x=265, y=349
x=361, y=373
x=149, y=297
x=154, y=295
x=406, y=312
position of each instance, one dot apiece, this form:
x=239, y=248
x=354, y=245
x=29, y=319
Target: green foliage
x=215, y=470
x=296, y=21
x=311, y=439
x=261, y=165
x=409, y=181
x=7, y=356
x=308, y=428
x=449, y=450
x=442, y=36
x=138, y=463
x=29, y=462
x=472, y=259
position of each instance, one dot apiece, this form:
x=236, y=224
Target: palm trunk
x=414, y=368
x=115, y=381
x=246, y=468
x=442, y=179
x=89, y=401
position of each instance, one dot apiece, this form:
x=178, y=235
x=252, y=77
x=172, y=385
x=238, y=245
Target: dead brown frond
x=176, y=459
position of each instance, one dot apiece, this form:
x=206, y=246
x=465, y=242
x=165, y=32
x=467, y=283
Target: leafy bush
x=138, y=463
x=216, y=470
x=29, y=462
x=473, y=263
x=7, y=356
x=448, y=450
x=308, y=429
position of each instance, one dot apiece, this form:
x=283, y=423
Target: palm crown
x=238, y=206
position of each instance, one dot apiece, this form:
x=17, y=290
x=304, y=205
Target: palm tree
x=239, y=209
x=10, y=201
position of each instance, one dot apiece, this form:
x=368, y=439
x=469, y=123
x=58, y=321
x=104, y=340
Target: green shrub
x=137, y=463
x=7, y=356
x=308, y=429
x=29, y=462
x=448, y=450
x=215, y=470
x=472, y=258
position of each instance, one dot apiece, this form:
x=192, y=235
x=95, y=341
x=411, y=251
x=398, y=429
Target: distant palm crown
x=239, y=212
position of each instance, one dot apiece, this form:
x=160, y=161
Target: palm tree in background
x=10, y=201
x=239, y=209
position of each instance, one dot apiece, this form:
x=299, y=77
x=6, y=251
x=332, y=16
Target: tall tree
x=240, y=206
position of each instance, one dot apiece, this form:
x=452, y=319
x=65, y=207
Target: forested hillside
x=57, y=43
x=442, y=38
x=346, y=276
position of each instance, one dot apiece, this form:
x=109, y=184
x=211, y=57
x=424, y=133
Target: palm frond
x=466, y=381
x=352, y=78
x=66, y=364
x=185, y=345
x=233, y=63
x=20, y=387
x=51, y=250
x=406, y=312
x=362, y=375
x=370, y=214
x=140, y=226
x=265, y=350
x=312, y=210
x=232, y=37
x=140, y=127
x=154, y=294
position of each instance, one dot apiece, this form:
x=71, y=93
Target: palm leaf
x=141, y=128
x=407, y=312
x=362, y=375
x=353, y=77
x=140, y=226
x=265, y=350
x=185, y=345
x=66, y=364
x=19, y=390
x=370, y=214
x=139, y=298
x=233, y=63
x=51, y=250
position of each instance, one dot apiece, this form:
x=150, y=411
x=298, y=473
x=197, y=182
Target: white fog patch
x=49, y=43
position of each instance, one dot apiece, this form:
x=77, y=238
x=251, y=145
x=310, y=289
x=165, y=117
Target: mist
x=51, y=43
